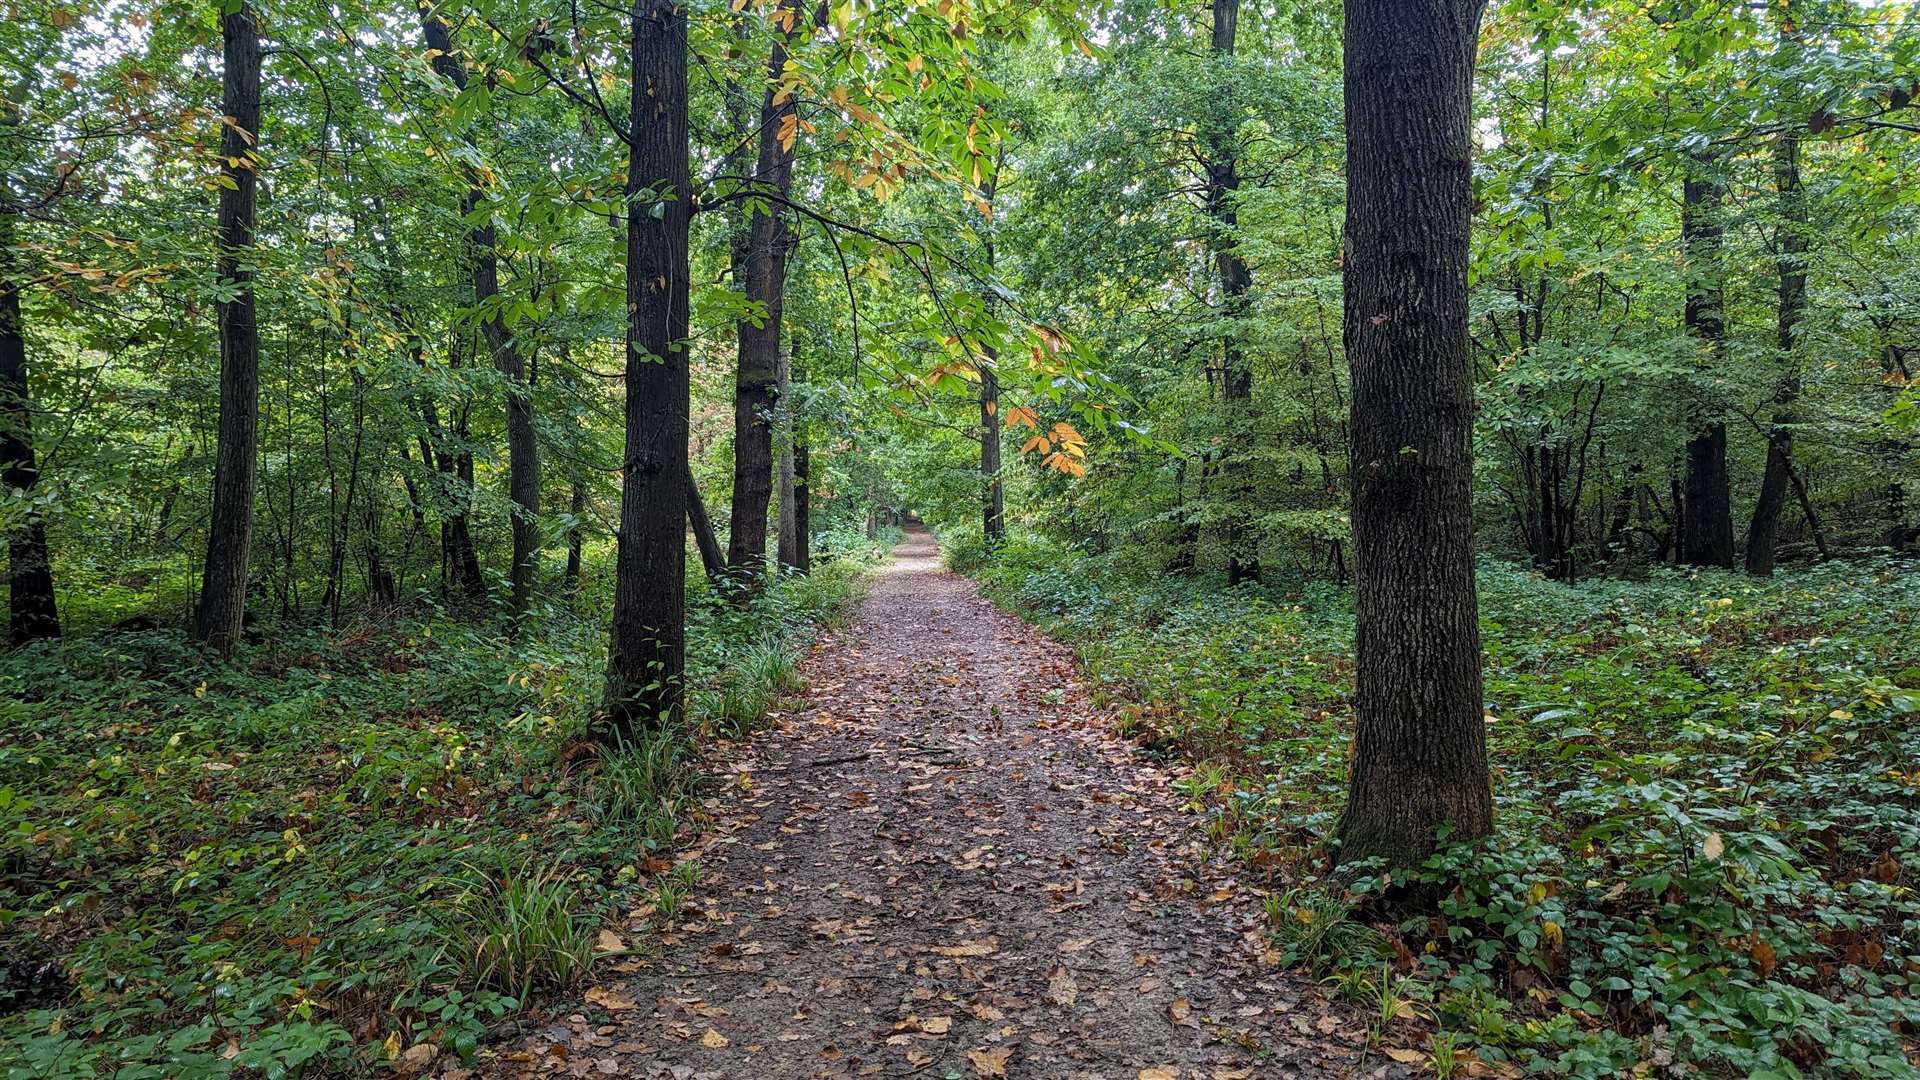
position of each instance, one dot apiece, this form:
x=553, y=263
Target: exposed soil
x=944, y=864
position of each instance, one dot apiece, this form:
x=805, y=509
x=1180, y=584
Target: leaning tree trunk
x=223, y=590
x=1419, y=758
x=1707, y=535
x=765, y=285
x=33, y=613
x=646, y=655
x=523, y=460
x=1236, y=282
x=713, y=560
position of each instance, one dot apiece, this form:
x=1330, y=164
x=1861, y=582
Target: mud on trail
x=942, y=864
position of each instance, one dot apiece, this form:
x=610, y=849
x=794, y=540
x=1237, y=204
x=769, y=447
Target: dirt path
x=942, y=866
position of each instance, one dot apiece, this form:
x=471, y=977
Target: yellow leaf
x=1039, y=441
x=1406, y=1057
x=713, y=1040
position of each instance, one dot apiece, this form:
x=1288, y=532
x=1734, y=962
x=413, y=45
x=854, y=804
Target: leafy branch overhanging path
x=941, y=864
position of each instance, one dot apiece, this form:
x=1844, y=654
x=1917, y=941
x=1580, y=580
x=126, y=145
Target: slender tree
x=223, y=590
x=993, y=506
x=646, y=657
x=523, y=450
x=1791, y=242
x=765, y=277
x=1236, y=280
x=1419, y=759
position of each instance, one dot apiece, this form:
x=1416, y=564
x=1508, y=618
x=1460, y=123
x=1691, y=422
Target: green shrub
x=1708, y=807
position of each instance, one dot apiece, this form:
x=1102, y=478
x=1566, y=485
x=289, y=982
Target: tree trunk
x=1236, y=281
x=1419, y=759
x=713, y=561
x=993, y=510
x=523, y=460
x=1706, y=538
x=802, y=465
x=223, y=589
x=33, y=613
x=646, y=655
x=765, y=285
x=576, y=536
x=1764, y=529
x=785, y=545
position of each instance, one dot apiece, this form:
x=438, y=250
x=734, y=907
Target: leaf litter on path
x=943, y=863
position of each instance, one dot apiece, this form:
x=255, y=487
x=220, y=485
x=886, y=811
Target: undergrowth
x=1708, y=802
x=339, y=847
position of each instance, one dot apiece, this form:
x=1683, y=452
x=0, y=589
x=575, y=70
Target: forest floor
x=942, y=863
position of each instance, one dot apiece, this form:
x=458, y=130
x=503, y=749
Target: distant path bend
x=943, y=864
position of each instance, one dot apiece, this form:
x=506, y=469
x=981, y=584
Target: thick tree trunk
x=1775, y=484
x=646, y=656
x=523, y=460
x=765, y=282
x=33, y=612
x=223, y=589
x=1419, y=760
x=1707, y=535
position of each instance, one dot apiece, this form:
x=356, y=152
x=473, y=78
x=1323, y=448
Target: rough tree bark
x=523, y=450
x=765, y=267
x=223, y=589
x=646, y=656
x=1236, y=282
x=1419, y=760
x=32, y=610
x=1706, y=537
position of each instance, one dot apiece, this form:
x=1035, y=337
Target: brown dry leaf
x=609, y=1000
x=1061, y=989
x=1221, y=1072
x=1406, y=1057
x=611, y=942
x=986, y=1012
x=990, y=1062
x=1180, y=1012
x=969, y=948
x=1160, y=1072
x=936, y=1025
x=713, y=1040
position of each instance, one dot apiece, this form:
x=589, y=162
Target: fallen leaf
x=990, y=1062
x=1159, y=1072
x=1406, y=1057
x=1061, y=989
x=713, y=1040
x=1180, y=1012
x=609, y=1000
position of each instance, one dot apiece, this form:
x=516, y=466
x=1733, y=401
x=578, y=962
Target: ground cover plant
x=337, y=848
x=1706, y=788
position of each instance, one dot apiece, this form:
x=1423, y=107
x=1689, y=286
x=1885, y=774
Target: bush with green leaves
x=336, y=845
x=1708, y=798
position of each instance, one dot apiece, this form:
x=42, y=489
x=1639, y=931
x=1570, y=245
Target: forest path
x=942, y=864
